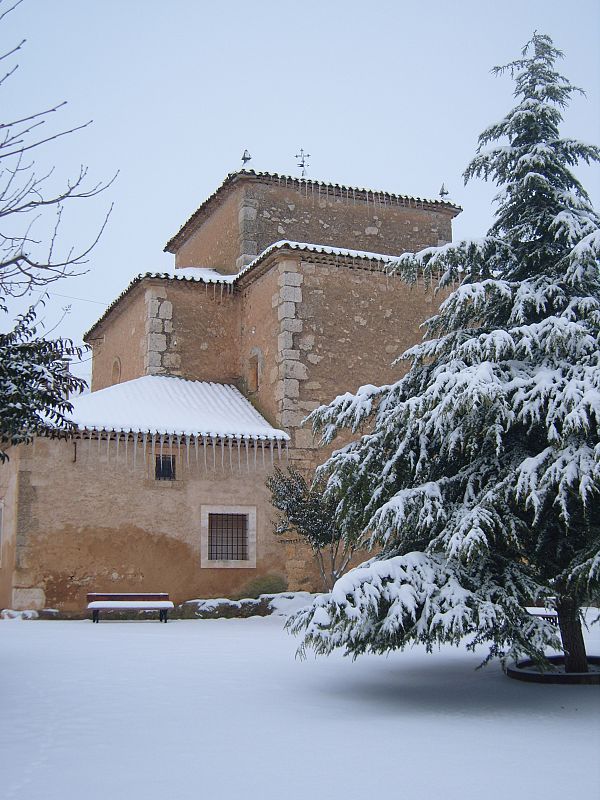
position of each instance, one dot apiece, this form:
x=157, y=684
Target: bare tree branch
x=34, y=378
x=31, y=207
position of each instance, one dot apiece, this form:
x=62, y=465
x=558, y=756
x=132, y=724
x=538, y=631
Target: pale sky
x=384, y=95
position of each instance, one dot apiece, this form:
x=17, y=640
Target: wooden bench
x=102, y=601
x=549, y=614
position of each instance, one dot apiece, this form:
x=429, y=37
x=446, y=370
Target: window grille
x=165, y=468
x=228, y=537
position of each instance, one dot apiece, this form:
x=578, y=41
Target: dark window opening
x=228, y=537
x=165, y=468
x=253, y=374
x=116, y=371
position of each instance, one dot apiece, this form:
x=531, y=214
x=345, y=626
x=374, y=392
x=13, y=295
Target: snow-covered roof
x=167, y=405
x=320, y=249
x=353, y=193
x=202, y=274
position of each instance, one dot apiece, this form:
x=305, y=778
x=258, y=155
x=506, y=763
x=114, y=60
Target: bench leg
x=95, y=614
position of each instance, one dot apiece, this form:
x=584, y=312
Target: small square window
x=165, y=468
x=228, y=537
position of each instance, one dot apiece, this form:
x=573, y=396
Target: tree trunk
x=572, y=636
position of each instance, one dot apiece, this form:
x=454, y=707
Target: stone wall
x=203, y=337
x=335, y=217
x=340, y=327
x=253, y=213
x=170, y=327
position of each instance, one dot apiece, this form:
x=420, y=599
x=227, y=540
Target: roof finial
x=443, y=192
x=303, y=162
x=245, y=158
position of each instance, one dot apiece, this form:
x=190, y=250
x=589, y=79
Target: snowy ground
x=221, y=710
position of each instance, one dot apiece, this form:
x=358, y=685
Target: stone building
x=279, y=300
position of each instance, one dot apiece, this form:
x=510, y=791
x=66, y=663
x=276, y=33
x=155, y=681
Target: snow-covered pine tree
x=479, y=476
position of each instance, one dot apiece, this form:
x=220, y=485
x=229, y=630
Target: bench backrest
x=92, y=596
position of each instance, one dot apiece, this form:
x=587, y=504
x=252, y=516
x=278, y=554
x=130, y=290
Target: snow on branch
x=417, y=598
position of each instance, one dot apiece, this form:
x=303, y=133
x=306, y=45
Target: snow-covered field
x=221, y=710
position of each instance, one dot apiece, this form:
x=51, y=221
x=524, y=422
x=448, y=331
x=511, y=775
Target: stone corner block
x=157, y=342
x=154, y=293
x=287, y=387
x=293, y=369
x=152, y=359
x=171, y=360
x=152, y=306
x=292, y=325
x=286, y=310
x=290, y=279
x=165, y=310
x=292, y=294
x=153, y=325
x=285, y=340
x=287, y=265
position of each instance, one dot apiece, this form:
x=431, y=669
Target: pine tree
x=479, y=476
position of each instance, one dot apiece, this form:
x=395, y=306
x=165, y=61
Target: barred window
x=228, y=537
x=165, y=468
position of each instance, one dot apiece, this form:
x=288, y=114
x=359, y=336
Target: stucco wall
x=106, y=526
x=9, y=487
x=121, y=338
x=259, y=338
x=216, y=243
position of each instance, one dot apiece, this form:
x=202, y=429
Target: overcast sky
x=384, y=95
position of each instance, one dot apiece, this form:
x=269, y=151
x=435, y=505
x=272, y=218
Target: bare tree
x=28, y=197
x=34, y=384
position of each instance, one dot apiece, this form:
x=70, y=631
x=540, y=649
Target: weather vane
x=245, y=158
x=443, y=191
x=303, y=162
